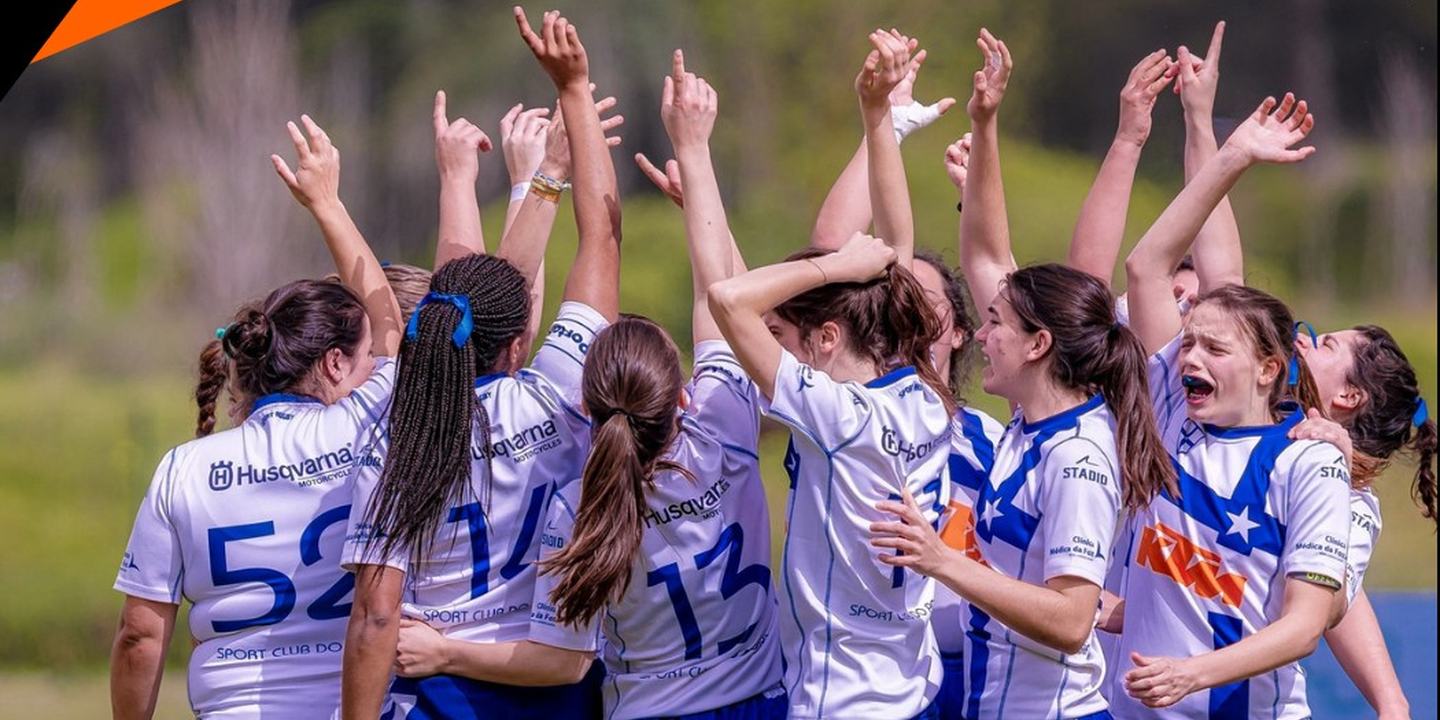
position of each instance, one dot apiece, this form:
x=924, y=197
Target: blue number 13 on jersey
x=731, y=544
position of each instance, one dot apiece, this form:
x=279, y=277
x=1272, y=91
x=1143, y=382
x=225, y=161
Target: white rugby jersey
x=1364, y=533
x=1209, y=569
x=247, y=525
x=478, y=580
x=696, y=628
x=1048, y=509
x=856, y=632
x=973, y=437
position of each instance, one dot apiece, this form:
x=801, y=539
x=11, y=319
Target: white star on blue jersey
x=1241, y=524
x=992, y=510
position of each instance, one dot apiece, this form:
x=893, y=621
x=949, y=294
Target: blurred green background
x=138, y=207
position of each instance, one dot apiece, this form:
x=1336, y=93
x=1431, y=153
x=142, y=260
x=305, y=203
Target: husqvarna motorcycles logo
x=222, y=475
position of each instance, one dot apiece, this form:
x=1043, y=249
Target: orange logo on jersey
x=959, y=531
x=1169, y=554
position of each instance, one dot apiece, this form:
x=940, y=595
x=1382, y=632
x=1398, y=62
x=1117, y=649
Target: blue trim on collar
x=1293, y=417
x=484, y=380
x=276, y=398
x=891, y=377
x=1060, y=421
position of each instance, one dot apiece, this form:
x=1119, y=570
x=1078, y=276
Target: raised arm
x=668, y=182
x=739, y=304
x=846, y=209
x=137, y=660
x=423, y=652
x=1100, y=229
x=595, y=277
x=1219, y=259
x=456, y=146
x=1265, y=137
x=688, y=107
x=984, y=230
x=523, y=134
x=884, y=68
x=315, y=183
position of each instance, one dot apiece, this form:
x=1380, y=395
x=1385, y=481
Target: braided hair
x=434, y=414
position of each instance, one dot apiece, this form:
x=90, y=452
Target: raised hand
x=862, y=258
x=957, y=161
x=1147, y=80
x=523, y=136
x=1270, y=131
x=316, y=178
x=556, y=162
x=1199, y=77
x=990, y=80
x=688, y=106
x=1316, y=426
x=668, y=180
x=885, y=67
x=908, y=114
x=456, y=144
x=557, y=47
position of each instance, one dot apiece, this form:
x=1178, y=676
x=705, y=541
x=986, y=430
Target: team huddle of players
x=408, y=520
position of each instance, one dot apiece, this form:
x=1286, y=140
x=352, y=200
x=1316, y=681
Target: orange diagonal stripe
x=89, y=18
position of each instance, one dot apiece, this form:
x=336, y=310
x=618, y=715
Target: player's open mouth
x=1196, y=390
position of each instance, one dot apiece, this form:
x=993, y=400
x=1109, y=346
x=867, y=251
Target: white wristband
x=518, y=191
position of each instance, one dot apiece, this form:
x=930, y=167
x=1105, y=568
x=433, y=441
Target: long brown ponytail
x=888, y=320
x=630, y=386
x=1093, y=352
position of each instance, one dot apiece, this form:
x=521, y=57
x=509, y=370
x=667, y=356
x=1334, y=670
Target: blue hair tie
x=1421, y=413
x=1294, y=376
x=462, y=329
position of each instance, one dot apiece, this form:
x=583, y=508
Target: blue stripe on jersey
x=1240, y=520
x=979, y=659
x=792, y=467
x=274, y=398
x=973, y=429
x=484, y=380
x=1228, y=702
x=555, y=496
x=747, y=452
x=996, y=514
x=891, y=377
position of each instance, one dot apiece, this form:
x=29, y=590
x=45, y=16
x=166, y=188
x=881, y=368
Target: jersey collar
x=1293, y=416
x=277, y=398
x=1060, y=421
x=891, y=377
x=484, y=380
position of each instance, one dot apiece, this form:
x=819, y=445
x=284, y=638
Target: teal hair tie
x=220, y=333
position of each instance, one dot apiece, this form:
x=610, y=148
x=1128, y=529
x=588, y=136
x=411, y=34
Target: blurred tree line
x=136, y=175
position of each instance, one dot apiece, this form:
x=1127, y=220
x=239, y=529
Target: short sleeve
x=1079, y=509
x=724, y=401
x=1318, y=514
x=363, y=539
x=544, y=626
x=1167, y=393
x=367, y=404
x=1364, y=534
x=809, y=401
x=153, y=565
x=561, y=358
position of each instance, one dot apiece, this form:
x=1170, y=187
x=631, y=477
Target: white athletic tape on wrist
x=518, y=191
x=912, y=117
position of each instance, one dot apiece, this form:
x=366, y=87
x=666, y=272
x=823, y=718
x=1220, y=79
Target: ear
x=515, y=353
x=958, y=338
x=1040, y=344
x=1349, y=400
x=828, y=337
x=683, y=401
x=332, y=366
x=1270, y=369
